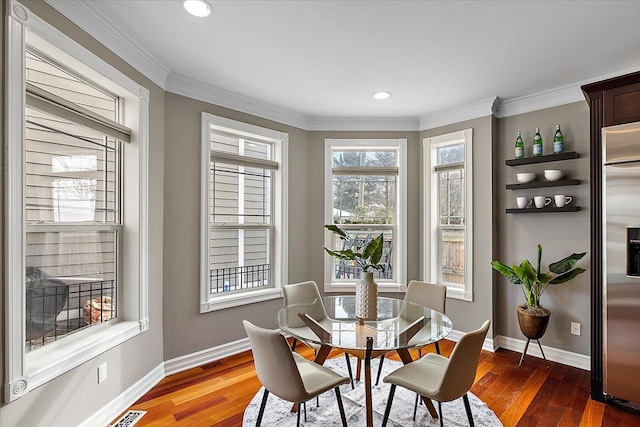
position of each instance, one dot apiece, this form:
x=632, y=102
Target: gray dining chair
x=306, y=292
x=288, y=375
x=430, y=295
x=439, y=378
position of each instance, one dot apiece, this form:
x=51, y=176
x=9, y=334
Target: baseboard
x=556, y=355
x=487, y=345
x=121, y=403
x=182, y=363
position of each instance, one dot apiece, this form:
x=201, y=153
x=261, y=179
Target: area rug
x=278, y=412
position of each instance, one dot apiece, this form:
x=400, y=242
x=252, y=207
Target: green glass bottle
x=558, y=141
x=519, y=147
x=537, y=143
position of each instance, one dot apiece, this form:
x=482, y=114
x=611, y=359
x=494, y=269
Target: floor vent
x=129, y=419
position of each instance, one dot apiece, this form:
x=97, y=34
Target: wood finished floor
x=217, y=393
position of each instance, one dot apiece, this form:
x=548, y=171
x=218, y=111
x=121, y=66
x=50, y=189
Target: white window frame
x=26, y=371
x=279, y=232
x=400, y=244
x=431, y=238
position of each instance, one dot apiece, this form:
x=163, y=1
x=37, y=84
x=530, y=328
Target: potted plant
x=533, y=318
x=366, y=257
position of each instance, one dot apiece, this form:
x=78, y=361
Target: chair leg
x=388, y=408
x=340, y=407
x=437, y=347
x=265, y=395
x=293, y=344
x=299, y=408
x=415, y=407
x=305, y=411
x=440, y=410
x=379, y=369
x=346, y=356
x=468, y=408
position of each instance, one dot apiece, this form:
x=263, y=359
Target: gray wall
x=469, y=315
x=186, y=330
x=559, y=233
x=75, y=396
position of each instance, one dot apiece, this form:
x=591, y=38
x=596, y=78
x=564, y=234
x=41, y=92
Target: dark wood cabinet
x=621, y=105
x=612, y=102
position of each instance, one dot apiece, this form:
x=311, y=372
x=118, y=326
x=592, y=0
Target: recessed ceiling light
x=199, y=8
x=382, y=95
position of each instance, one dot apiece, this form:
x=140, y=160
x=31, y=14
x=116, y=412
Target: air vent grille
x=129, y=419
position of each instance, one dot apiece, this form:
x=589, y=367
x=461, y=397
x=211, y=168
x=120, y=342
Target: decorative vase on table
x=366, y=297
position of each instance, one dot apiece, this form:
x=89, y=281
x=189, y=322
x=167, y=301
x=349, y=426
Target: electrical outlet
x=102, y=373
x=575, y=328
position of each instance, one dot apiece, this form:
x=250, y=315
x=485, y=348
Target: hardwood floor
x=216, y=394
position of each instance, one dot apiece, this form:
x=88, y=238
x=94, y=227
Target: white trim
x=541, y=100
x=430, y=211
x=363, y=124
x=26, y=371
x=199, y=358
x=351, y=287
x=564, y=357
x=485, y=107
x=85, y=16
x=488, y=344
x=211, y=94
x=281, y=210
x=124, y=400
x=239, y=299
x=400, y=274
x=17, y=381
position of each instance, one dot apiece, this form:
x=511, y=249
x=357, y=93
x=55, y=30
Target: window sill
x=457, y=293
x=48, y=363
x=239, y=299
x=351, y=287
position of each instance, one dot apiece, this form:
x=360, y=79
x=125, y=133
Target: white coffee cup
x=523, y=202
x=562, y=200
x=541, y=201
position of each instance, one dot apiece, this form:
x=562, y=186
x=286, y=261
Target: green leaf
x=373, y=251
x=346, y=254
x=566, y=264
x=336, y=230
x=539, y=257
x=565, y=277
x=544, y=278
x=506, y=271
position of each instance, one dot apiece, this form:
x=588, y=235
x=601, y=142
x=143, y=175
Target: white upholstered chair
x=439, y=378
x=305, y=292
x=288, y=375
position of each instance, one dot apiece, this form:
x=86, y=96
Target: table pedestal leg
x=405, y=356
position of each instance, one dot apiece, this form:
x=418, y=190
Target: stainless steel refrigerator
x=621, y=272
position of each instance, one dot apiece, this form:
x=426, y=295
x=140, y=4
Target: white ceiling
x=327, y=58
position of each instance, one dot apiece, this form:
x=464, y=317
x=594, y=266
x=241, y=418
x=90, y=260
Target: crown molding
x=541, y=100
x=84, y=15
x=485, y=107
x=553, y=97
x=205, y=92
x=364, y=124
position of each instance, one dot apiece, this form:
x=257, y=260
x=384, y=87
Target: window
x=72, y=120
x=448, y=212
x=243, y=223
x=365, y=195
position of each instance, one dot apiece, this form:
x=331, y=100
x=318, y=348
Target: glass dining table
x=398, y=326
